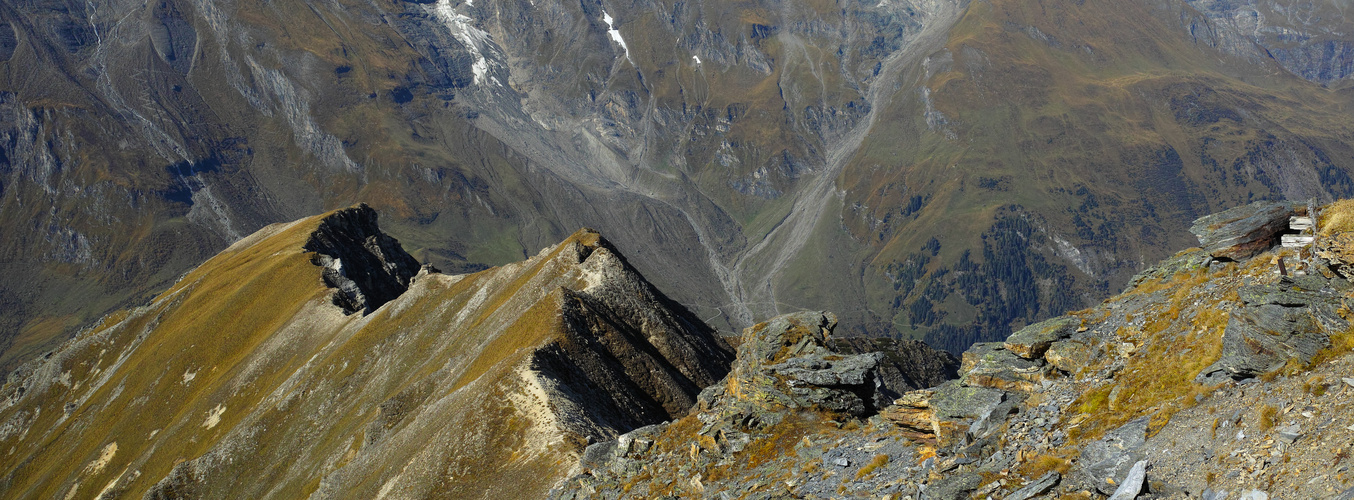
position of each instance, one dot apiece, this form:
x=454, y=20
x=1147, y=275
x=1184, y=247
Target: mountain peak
x=366, y=266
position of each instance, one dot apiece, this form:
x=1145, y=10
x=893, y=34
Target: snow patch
x=475, y=40
x=697, y=59
x=189, y=376
x=616, y=35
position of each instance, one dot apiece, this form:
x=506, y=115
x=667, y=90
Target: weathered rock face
x=785, y=363
x=1103, y=402
x=1289, y=320
x=367, y=266
x=1033, y=341
x=1310, y=40
x=905, y=366
x=1241, y=232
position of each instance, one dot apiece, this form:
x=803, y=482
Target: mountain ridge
x=510, y=370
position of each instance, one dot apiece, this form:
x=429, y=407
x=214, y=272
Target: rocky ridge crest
x=1213, y=376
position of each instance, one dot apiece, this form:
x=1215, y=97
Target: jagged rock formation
x=1133, y=398
x=905, y=366
x=785, y=363
x=1287, y=321
x=1242, y=232
x=367, y=266
x=454, y=386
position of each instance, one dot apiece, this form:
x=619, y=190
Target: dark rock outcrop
x=785, y=363
x=906, y=365
x=1242, y=232
x=628, y=354
x=1291, y=319
x=367, y=266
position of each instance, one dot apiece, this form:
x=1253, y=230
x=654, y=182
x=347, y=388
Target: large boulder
x=1113, y=456
x=785, y=363
x=1291, y=319
x=1032, y=341
x=1242, y=232
x=992, y=365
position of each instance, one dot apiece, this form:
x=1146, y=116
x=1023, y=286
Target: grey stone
x=1032, y=341
x=1348, y=381
x=1276, y=323
x=1131, y=486
x=1074, y=354
x=842, y=462
x=1346, y=495
x=991, y=365
x=953, y=401
x=1037, y=487
x=954, y=487
x=1242, y=232
x=1209, y=494
x=786, y=362
x=598, y=456
x=1112, y=456
x=1288, y=433
x=1253, y=495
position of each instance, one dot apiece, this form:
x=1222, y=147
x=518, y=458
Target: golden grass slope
x=244, y=381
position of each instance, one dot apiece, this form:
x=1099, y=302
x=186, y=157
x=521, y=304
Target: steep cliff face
x=252, y=366
x=1309, y=39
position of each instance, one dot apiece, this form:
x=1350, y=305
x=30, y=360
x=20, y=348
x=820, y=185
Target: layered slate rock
x=1032, y=341
x=1291, y=319
x=785, y=363
x=992, y=365
x=1242, y=232
x=906, y=365
x=366, y=266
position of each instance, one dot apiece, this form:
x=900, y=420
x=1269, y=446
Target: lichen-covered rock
x=991, y=365
x=1073, y=355
x=1241, y=232
x=1032, y=341
x=785, y=363
x=1291, y=319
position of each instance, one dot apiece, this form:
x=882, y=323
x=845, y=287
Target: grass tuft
x=878, y=461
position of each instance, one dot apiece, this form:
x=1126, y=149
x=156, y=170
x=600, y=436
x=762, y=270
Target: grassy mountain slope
x=462, y=385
